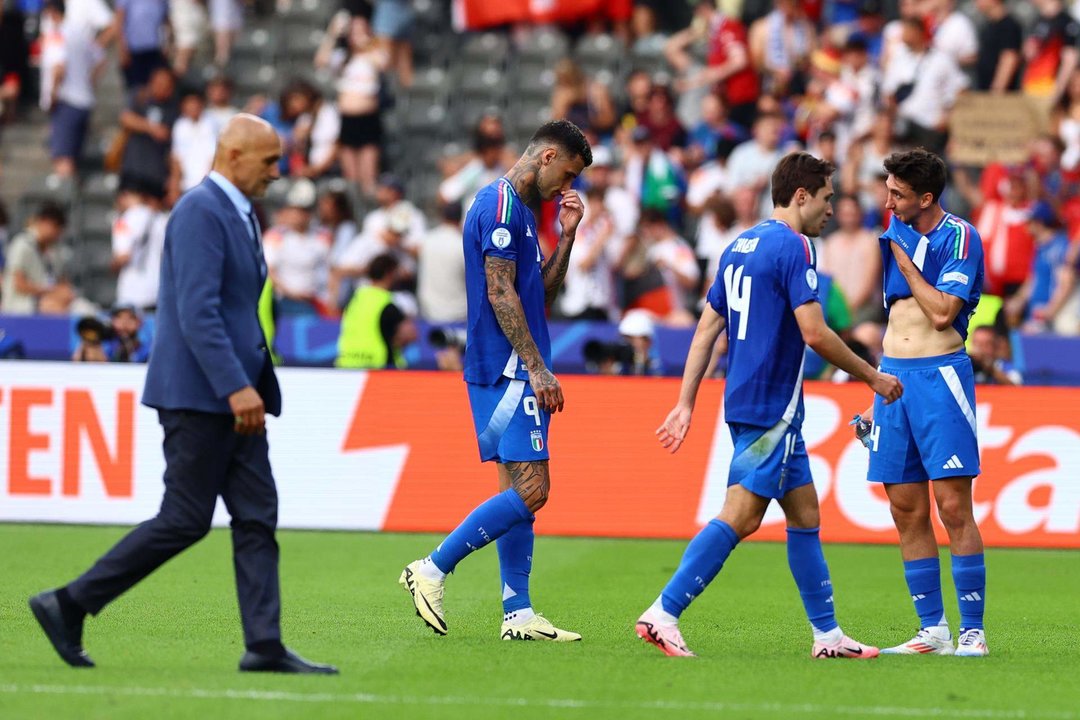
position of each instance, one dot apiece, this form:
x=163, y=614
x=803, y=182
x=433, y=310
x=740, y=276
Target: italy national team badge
x=537, y=440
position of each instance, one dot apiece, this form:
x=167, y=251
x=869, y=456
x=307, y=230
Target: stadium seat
x=651, y=58
x=100, y=188
x=543, y=43
x=599, y=51
x=50, y=188
x=94, y=219
x=300, y=45
x=488, y=86
x=257, y=80
x=91, y=253
x=431, y=16
x=255, y=45
x=486, y=49
x=427, y=118
x=310, y=12
x=533, y=83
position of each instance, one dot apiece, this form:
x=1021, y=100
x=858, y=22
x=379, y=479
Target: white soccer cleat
x=537, y=628
x=972, y=643
x=663, y=636
x=427, y=596
x=845, y=647
x=928, y=641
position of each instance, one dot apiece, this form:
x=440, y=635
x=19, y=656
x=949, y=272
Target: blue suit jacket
x=208, y=341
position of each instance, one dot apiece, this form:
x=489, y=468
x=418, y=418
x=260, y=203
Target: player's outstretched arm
x=828, y=345
x=571, y=210
x=677, y=424
x=504, y=300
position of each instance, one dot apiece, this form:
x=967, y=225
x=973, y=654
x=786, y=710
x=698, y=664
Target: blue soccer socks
x=489, y=521
x=807, y=563
x=704, y=557
x=515, y=563
x=969, y=576
x=923, y=578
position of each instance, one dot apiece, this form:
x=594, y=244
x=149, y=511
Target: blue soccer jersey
x=500, y=225
x=763, y=276
x=950, y=258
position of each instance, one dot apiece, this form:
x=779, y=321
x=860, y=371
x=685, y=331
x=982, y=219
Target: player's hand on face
x=571, y=210
x=547, y=390
x=887, y=386
x=672, y=433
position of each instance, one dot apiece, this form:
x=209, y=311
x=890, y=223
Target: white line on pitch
x=672, y=705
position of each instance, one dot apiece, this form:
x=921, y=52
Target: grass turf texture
x=169, y=648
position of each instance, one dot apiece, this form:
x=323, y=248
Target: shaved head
x=244, y=130
x=248, y=152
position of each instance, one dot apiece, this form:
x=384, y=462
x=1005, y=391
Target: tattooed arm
x=554, y=271
x=504, y=300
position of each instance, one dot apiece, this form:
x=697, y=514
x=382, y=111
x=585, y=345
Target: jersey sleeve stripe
x=808, y=247
x=960, y=248
x=506, y=202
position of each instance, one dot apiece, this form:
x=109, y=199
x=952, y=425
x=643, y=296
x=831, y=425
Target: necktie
x=256, y=234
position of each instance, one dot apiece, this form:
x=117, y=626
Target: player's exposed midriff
x=910, y=334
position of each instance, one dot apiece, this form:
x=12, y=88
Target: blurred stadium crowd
x=393, y=113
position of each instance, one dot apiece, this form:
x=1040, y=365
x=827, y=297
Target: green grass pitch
x=169, y=648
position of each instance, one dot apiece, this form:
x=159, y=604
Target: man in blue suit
x=211, y=380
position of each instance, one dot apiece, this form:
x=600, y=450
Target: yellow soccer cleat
x=427, y=596
x=537, y=628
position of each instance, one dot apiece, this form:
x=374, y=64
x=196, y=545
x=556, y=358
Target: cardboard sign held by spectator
x=987, y=128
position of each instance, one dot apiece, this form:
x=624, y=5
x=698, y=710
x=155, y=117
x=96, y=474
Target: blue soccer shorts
x=769, y=462
x=510, y=424
x=930, y=432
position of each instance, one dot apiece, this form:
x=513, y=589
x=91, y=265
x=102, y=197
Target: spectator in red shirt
x=1001, y=217
x=727, y=61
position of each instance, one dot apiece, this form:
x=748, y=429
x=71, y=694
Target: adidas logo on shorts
x=953, y=464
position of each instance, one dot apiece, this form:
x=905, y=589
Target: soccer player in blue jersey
x=512, y=390
x=933, y=277
x=765, y=293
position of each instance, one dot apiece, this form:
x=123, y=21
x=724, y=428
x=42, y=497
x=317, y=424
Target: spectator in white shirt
x=588, y=291
x=484, y=168
x=440, y=283
x=396, y=226
x=298, y=255
x=622, y=205
x=954, y=32
x=72, y=52
x=923, y=97
x=219, y=101
x=138, y=240
x=194, y=138
x=676, y=261
x=751, y=164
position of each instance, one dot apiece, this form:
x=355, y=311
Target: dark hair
x=451, y=212
x=924, y=171
x=567, y=136
x=382, y=266
x=651, y=216
x=799, y=170
x=341, y=204
x=4, y=217
x=52, y=212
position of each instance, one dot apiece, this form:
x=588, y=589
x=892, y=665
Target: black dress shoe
x=290, y=662
x=65, y=635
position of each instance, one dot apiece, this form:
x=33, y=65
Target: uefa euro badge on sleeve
x=862, y=429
